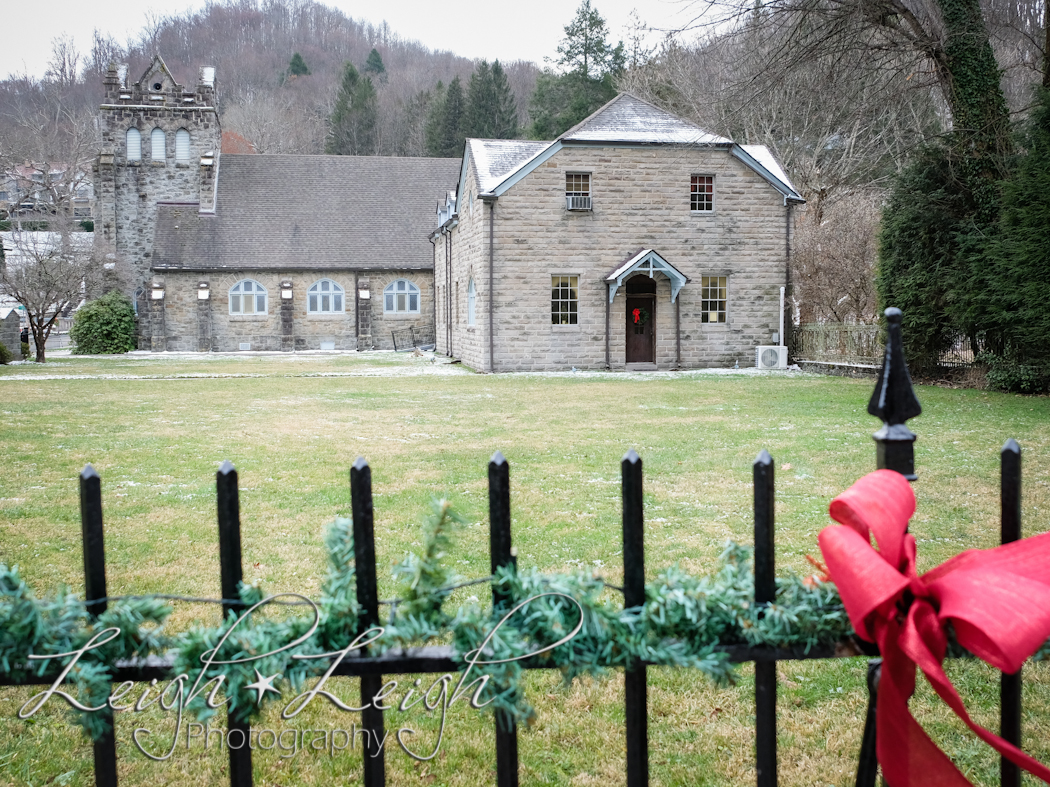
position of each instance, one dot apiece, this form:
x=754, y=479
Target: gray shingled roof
x=629, y=119
x=494, y=159
x=316, y=212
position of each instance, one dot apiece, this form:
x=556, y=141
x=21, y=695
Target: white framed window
x=472, y=296
x=156, y=145
x=577, y=190
x=134, y=143
x=401, y=296
x=247, y=297
x=324, y=297
x=713, y=299
x=702, y=193
x=565, y=298
x=182, y=146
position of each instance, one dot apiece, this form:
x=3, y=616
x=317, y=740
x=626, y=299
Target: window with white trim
x=134, y=143
x=564, y=299
x=401, y=297
x=702, y=193
x=247, y=297
x=472, y=296
x=182, y=146
x=324, y=297
x=712, y=299
x=156, y=145
x=577, y=190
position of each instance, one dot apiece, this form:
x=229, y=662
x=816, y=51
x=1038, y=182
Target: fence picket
x=91, y=536
x=368, y=616
x=229, y=513
x=499, y=556
x=1010, y=685
x=635, y=704
x=765, y=593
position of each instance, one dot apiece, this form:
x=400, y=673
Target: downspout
x=786, y=326
x=608, y=306
x=451, y=328
x=492, y=280
x=678, y=333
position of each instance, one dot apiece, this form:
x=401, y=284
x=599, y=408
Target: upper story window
x=577, y=190
x=182, y=146
x=712, y=299
x=134, y=139
x=401, y=296
x=324, y=297
x=247, y=297
x=156, y=145
x=472, y=297
x=564, y=299
x=702, y=193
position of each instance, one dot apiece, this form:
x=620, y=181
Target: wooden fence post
x=229, y=513
x=765, y=593
x=105, y=748
x=1010, y=685
x=499, y=556
x=368, y=616
x=635, y=704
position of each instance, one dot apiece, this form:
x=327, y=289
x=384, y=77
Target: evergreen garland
x=683, y=623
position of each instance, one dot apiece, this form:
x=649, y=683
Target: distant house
x=42, y=188
x=634, y=241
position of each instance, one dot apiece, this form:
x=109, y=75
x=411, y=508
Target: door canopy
x=649, y=262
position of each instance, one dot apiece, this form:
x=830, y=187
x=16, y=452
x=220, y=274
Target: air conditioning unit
x=577, y=203
x=771, y=356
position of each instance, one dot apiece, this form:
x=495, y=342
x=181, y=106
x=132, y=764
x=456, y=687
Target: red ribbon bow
x=637, y=314
x=997, y=600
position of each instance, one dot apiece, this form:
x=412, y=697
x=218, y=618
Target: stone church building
x=636, y=240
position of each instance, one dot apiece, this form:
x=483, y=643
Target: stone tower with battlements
x=159, y=142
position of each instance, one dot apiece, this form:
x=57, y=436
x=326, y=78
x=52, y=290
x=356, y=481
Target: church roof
x=630, y=119
x=318, y=212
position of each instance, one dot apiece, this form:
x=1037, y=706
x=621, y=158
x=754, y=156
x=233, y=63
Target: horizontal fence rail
x=861, y=344
x=893, y=402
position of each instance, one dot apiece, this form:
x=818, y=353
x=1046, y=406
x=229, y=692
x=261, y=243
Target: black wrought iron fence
x=893, y=402
x=410, y=338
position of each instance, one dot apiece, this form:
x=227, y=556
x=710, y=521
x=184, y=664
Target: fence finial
x=89, y=471
x=894, y=402
x=498, y=458
x=631, y=456
x=226, y=467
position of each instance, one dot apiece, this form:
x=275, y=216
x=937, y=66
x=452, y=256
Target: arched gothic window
x=247, y=297
x=401, y=296
x=156, y=145
x=134, y=140
x=324, y=297
x=182, y=146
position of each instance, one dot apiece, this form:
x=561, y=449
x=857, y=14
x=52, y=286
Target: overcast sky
x=522, y=30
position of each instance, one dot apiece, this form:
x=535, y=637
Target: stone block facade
x=193, y=314
x=640, y=200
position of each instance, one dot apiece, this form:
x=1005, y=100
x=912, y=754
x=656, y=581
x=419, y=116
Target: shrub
x=104, y=326
x=25, y=351
x=1009, y=374
x=5, y=355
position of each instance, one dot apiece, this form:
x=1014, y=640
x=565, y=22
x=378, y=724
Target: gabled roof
x=628, y=118
x=317, y=212
x=494, y=159
x=649, y=262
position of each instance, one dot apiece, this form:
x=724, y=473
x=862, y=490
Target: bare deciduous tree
x=48, y=273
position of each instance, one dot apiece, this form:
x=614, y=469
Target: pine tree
x=297, y=67
x=452, y=132
x=480, y=103
x=374, y=64
x=505, y=108
x=432, y=127
x=352, y=125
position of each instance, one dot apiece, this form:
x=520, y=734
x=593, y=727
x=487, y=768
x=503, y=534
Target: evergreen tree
x=297, y=67
x=505, y=108
x=352, y=125
x=591, y=65
x=432, y=127
x=374, y=64
x=1017, y=262
x=446, y=128
x=481, y=103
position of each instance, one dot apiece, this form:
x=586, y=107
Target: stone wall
x=195, y=312
x=640, y=200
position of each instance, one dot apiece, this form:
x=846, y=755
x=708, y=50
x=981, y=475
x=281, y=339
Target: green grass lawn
x=156, y=429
